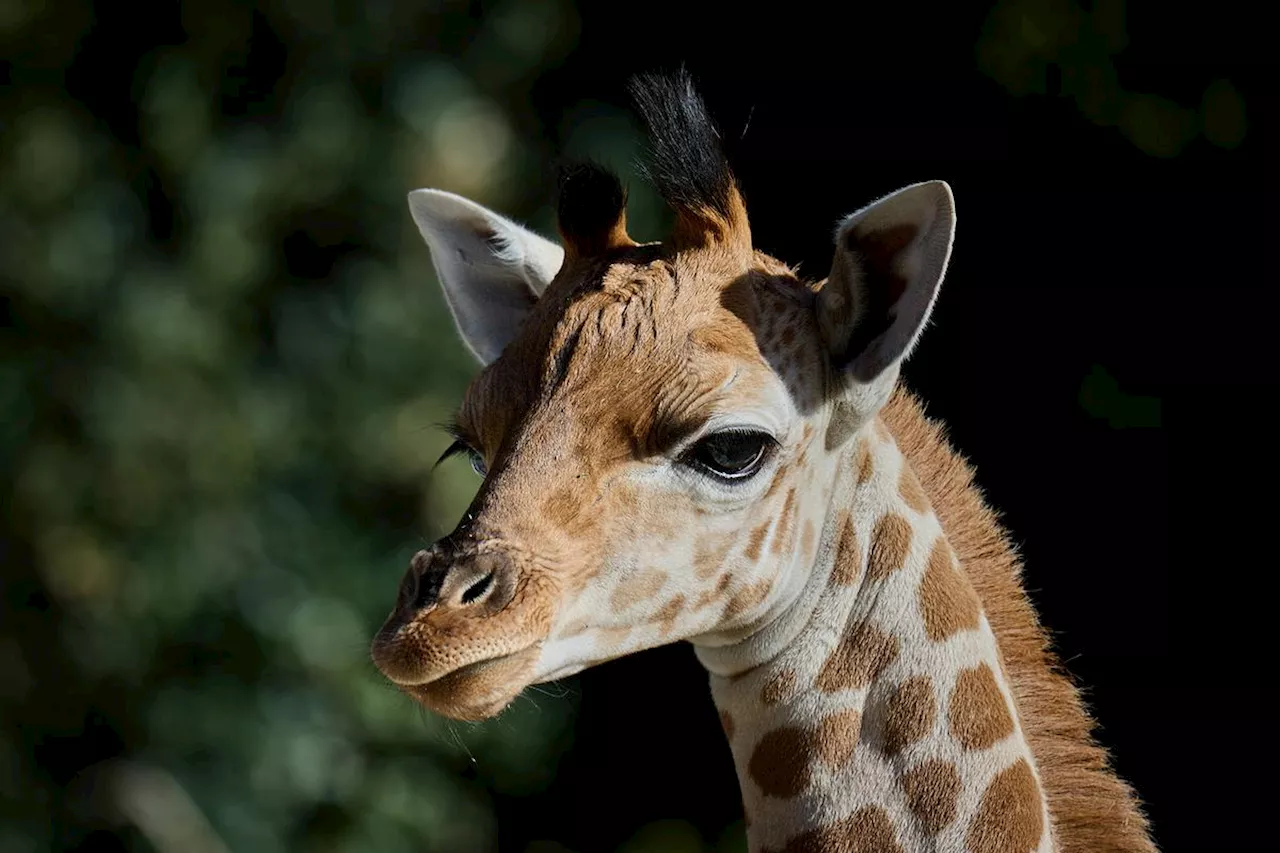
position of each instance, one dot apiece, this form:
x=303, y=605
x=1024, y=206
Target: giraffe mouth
x=469, y=657
x=477, y=690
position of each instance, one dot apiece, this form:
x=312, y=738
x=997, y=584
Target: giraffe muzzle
x=440, y=580
x=453, y=612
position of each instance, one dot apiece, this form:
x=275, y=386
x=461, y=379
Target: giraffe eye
x=461, y=447
x=732, y=454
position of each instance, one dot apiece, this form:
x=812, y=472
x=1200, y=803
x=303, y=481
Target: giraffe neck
x=873, y=713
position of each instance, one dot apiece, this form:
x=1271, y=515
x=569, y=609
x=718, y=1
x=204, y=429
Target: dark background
x=1102, y=352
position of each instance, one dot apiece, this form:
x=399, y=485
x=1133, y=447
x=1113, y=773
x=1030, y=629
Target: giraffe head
x=653, y=423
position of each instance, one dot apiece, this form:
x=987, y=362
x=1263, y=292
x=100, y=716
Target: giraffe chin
x=477, y=691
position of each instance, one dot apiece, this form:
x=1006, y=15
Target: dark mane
x=686, y=161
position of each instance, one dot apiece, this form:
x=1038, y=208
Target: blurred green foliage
x=1025, y=41
x=223, y=362
x=1102, y=397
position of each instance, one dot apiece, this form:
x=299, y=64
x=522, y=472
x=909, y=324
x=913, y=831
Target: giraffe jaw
x=476, y=691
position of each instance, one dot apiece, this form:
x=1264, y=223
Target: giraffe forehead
x=649, y=304
x=634, y=348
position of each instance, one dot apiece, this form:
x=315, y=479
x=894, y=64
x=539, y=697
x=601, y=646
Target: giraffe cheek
x=636, y=588
x=747, y=599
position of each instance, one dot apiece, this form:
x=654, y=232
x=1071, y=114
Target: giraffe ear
x=492, y=270
x=889, y=261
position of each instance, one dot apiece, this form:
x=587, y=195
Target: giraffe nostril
x=425, y=577
x=425, y=593
x=478, y=589
x=409, y=589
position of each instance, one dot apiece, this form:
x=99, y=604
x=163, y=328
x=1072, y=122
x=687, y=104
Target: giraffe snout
x=439, y=580
x=457, y=640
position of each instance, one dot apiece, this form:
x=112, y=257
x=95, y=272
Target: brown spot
x=806, y=540
x=862, y=654
x=932, y=788
x=890, y=542
x=873, y=831
x=909, y=714
x=716, y=593
x=706, y=561
x=1009, y=819
x=782, y=539
x=978, y=715
x=787, y=337
x=807, y=435
x=779, y=687
x=748, y=597
x=838, y=737
x=947, y=601
x=848, y=564
x=669, y=612
x=868, y=830
x=726, y=723
x=756, y=540
x=780, y=762
x=614, y=637
x=636, y=588
x=910, y=490
x=562, y=507
x=866, y=467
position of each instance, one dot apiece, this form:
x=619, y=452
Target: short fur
x=1093, y=811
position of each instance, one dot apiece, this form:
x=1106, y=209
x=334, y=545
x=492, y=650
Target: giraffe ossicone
x=685, y=441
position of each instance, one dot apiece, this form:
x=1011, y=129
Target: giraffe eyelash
x=459, y=447
x=456, y=448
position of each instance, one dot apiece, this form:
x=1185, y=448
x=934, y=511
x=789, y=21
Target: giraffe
x=685, y=441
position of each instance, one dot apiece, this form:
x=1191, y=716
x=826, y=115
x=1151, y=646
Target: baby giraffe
x=685, y=441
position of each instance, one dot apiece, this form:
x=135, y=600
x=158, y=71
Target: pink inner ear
x=879, y=251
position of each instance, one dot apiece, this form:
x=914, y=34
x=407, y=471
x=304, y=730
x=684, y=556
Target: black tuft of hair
x=686, y=159
x=590, y=200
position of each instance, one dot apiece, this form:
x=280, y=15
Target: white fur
x=492, y=269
